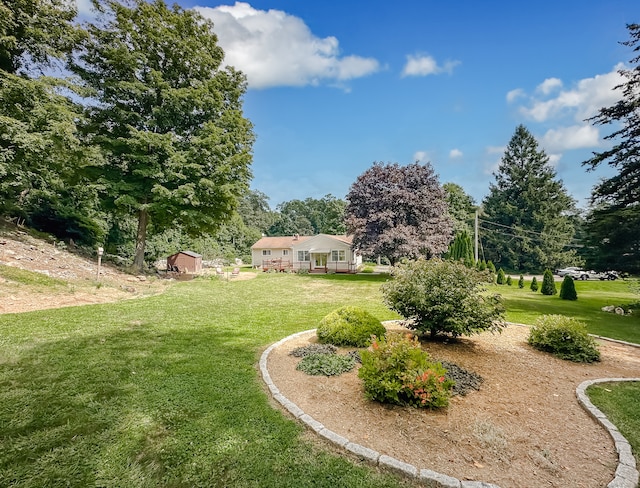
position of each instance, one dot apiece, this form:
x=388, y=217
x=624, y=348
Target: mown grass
x=164, y=391
x=524, y=306
x=619, y=402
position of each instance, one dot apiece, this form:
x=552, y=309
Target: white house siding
x=320, y=250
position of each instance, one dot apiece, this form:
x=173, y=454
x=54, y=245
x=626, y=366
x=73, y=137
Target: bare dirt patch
x=523, y=428
x=82, y=284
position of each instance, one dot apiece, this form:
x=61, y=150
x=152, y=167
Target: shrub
x=509, y=281
x=565, y=337
x=521, y=282
x=482, y=265
x=568, y=289
x=491, y=267
x=501, y=279
x=439, y=296
x=349, y=326
x=548, y=283
x=534, y=284
x=300, y=352
x=396, y=370
x=326, y=364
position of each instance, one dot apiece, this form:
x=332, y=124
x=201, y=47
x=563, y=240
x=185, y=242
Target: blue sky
x=335, y=85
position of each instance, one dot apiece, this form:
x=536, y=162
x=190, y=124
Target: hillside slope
x=72, y=279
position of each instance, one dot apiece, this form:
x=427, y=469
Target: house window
x=303, y=256
x=285, y=252
x=338, y=255
x=266, y=252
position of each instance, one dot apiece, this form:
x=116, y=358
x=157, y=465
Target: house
x=185, y=262
x=321, y=253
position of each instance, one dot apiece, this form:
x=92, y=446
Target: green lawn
x=523, y=306
x=164, y=391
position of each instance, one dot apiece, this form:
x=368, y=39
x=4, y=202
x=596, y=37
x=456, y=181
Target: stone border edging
x=626, y=475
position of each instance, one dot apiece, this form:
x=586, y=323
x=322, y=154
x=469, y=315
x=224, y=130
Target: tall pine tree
x=613, y=224
x=527, y=224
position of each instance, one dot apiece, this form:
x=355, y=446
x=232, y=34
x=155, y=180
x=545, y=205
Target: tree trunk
x=141, y=239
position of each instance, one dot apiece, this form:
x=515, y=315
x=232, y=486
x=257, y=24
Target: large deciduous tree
x=310, y=216
x=462, y=207
x=527, y=224
x=41, y=152
x=613, y=224
x=398, y=211
x=167, y=116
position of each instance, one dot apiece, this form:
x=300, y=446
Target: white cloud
x=549, y=85
x=455, y=153
x=513, y=95
x=420, y=156
x=426, y=65
x=274, y=48
x=554, y=159
x=581, y=102
x=573, y=137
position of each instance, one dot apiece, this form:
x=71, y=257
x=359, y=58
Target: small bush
x=443, y=297
x=509, y=281
x=565, y=337
x=521, y=282
x=349, y=326
x=326, y=364
x=534, y=284
x=396, y=370
x=501, y=278
x=568, y=289
x=548, y=283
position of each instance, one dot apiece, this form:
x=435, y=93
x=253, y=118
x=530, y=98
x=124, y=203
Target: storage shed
x=185, y=262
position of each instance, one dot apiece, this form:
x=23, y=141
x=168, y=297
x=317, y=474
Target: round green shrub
x=509, y=281
x=568, y=289
x=521, y=282
x=501, y=278
x=565, y=337
x=349, y=326
x=396, y=370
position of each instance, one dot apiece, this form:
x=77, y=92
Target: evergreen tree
x=548, y=283
x=613, y=225
x=534, y=284
x=521, y=282
x=568, y=289
x=531, y=206
x=482, y=265
x=509, y=281
x=461, y=249
x=491, y=267
x=501, y=279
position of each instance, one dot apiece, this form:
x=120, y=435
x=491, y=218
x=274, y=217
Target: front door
x=319, y=261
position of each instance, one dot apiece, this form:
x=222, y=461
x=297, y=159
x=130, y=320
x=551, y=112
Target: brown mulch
x=523, y=428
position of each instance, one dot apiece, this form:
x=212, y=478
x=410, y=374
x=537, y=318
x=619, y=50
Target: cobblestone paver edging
x=626, y=475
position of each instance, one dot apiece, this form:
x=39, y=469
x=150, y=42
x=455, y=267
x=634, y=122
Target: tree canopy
x=398, y=211
x=168, y=119
x=613, y=224
x=527, y=221
x=462, y=207
x=309, y=217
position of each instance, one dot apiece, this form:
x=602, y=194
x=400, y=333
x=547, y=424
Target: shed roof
x=188, y=253
x=287, y=242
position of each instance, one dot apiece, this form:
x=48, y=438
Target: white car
x=594, y=275
x=571, y=270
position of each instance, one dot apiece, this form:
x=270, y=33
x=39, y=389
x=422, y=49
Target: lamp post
x=100, y=253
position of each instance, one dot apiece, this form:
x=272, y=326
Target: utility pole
x=475, y=253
